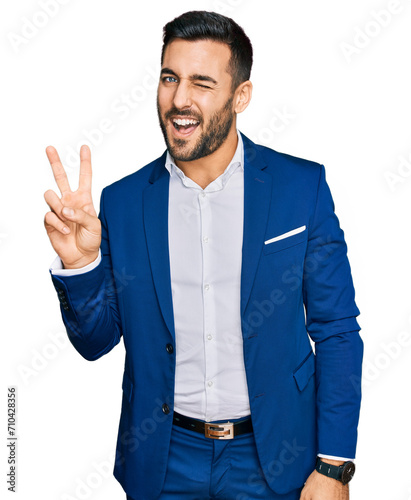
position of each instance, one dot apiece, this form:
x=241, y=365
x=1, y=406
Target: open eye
x=168, y=79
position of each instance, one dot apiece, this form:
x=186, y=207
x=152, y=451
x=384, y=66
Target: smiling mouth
x=185, y=126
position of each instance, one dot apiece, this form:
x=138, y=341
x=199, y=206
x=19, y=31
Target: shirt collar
x=236, y=162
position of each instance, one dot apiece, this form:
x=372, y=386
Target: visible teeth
x=185, y=122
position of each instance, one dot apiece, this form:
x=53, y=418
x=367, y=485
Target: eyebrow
x=203, y=78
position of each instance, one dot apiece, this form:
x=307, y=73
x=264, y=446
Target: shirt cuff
x=343, y=459
x=57, y=267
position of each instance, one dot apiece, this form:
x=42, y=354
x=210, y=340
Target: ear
x=243, y=96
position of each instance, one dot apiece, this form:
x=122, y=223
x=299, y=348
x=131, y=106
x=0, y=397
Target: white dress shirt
x=205, y=245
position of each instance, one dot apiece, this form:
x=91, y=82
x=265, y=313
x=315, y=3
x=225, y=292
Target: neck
x=205, y=170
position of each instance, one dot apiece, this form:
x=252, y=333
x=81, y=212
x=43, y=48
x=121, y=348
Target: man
x=233, y=253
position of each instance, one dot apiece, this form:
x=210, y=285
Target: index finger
x=59, y=173
x=85, y=168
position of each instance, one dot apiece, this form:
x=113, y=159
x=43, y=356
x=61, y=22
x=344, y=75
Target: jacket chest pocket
x=285, y=240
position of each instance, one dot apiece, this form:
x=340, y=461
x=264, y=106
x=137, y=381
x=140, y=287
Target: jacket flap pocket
x=127, y=386
x=305, y=371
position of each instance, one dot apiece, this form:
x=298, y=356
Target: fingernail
x=68, y=211
x=66, y=230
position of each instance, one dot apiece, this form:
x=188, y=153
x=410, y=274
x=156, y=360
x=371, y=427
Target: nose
x=182, y=95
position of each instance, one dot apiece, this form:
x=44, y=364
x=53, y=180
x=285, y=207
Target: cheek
x=206, y=103
x=210, y=105
x=164, y=99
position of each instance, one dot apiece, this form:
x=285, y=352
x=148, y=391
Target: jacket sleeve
x=331, y=311
x=89, y=303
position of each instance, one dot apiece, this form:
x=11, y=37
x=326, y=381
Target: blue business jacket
x=301, y=403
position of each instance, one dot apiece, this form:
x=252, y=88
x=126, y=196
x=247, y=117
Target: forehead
x=201, y=57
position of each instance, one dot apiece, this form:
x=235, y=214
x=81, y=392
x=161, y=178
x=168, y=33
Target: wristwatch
x=343, y=473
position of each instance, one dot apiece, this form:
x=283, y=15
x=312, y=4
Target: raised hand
x=72, y=223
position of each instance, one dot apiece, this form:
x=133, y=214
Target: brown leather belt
x=224, y=430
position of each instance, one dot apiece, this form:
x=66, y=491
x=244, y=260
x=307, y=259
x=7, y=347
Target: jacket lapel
x=155, y=214
x=257, y=197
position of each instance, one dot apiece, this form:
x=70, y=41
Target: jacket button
x=169, y=348
x=166, y=409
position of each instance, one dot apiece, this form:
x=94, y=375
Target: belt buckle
x=219, y=431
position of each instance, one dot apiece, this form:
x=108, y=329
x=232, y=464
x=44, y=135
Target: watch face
x=348, y=472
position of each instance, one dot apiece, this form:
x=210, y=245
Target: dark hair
x=203, y=25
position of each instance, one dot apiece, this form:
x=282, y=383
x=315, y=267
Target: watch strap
x=333, y=471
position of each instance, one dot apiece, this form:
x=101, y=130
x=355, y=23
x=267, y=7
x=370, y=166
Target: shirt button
x=206, y=287
x=210, y=383
x=209, y=337
x=169, y=348
x=205, y=239
x=203, y=195
x=166, y=408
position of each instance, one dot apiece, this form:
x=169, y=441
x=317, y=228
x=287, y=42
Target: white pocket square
x=286, y=235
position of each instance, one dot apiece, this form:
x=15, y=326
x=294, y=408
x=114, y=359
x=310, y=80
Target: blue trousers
x=201, y=468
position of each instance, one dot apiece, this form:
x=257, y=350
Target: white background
x=65, y=73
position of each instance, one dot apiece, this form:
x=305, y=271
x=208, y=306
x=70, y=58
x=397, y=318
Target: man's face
x=195, y=100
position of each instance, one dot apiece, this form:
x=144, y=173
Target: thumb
x=89, y=222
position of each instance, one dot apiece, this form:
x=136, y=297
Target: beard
x=212, y=137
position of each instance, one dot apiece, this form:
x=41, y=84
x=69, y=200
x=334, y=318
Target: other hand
x=320, y=487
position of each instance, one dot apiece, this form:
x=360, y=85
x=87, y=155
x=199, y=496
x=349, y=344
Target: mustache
x=175, y=111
